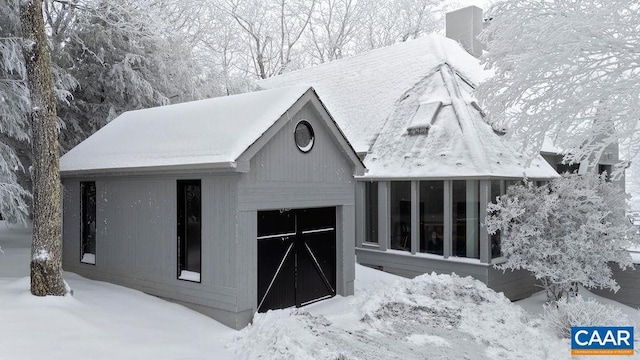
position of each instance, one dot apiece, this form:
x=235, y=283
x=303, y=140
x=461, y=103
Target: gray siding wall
x=136, y=242
x=515, y=285
x=281, y=176
x=408, y=265
x=629, y=281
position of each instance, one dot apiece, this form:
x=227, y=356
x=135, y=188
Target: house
x=433, y=162
x=229, y=205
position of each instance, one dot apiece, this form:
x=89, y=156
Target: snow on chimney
x=463, y=26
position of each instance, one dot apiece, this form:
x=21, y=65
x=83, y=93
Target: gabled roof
x=411, y=107
x=206, y=134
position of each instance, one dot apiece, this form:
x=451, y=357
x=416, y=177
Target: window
x=400, y=213
x=189, y=229
x=566, y=168
x=497, y=189
x=465, y=209
x=606, y=169
x=432, y=217
x=371, y=212
x=88, y=225
x=304, y=136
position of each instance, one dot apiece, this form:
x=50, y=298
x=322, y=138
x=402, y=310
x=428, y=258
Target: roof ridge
x=465, y=120
x=355, y=56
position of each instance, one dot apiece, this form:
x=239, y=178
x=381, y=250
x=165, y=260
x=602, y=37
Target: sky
x=483, y=4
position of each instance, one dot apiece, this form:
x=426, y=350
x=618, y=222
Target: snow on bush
x=563, y=314
x=564, y=232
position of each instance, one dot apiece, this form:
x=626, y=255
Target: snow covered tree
x=124, y=55
x=14, y=104
x=387, y=22
x=335, y=27
x=270, y=30
x=568, y=69
x=46, y=248
x=564, y=232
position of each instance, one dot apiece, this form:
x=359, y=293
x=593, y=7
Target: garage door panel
x=316, y=219
x=276, y=222
x=316, y=276
x=296, y=257
x=322, y=249
x=276, y=274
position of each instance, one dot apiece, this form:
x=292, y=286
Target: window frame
x=182, y=246
x=312, y=140
x=88, y=239
x=481, y=192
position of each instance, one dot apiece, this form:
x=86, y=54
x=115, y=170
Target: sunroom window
x=371, y=212
x=497, y=189
x=465, y=218
x=400, y=213
x=432, y=217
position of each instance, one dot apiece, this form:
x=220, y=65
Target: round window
x=304, y=136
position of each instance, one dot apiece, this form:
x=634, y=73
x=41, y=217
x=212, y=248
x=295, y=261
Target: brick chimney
x=463, y=26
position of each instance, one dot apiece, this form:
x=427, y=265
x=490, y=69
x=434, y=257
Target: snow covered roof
x=457, y=142
x=411, y=107
x=361, y=91
x=210, y=133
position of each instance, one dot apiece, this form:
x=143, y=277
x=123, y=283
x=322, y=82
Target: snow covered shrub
x=565, y=313
x=564, y=232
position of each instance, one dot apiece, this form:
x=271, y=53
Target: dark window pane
x=497, y=189
x=605, y=169
x=88, y=226
x=276, y=222
x=371, y=212
x=400, y=210
x=189, y=228
x=465, y=218
x=304, y=136
x=432, y=217
x=566, y=168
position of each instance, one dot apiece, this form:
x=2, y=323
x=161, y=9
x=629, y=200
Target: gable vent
x=424, y=118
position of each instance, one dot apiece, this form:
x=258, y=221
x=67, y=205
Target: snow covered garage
x=229, y=205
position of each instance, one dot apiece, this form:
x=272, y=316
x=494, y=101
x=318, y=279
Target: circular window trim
x=304, y=148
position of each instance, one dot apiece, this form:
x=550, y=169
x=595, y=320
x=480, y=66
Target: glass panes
x=371, y=212
x=465, y=210
x=400, y=215
x=304, y=136
x=88, y=225
x=189, y=229
x=432, y=217
x=497, y=189
x=602, y=168
x=566, y=168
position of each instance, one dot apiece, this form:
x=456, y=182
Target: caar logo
x=601, y=340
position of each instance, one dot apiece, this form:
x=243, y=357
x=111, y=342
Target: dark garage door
x=296, y=257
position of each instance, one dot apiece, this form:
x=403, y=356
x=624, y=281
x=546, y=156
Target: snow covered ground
x=432, y=316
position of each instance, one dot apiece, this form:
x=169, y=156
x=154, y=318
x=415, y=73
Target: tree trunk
x=46, y=247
